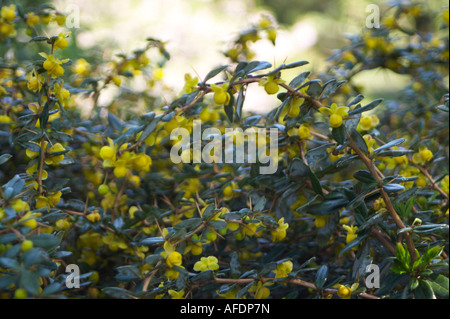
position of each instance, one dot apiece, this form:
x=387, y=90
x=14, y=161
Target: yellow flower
x=61, y=42
x=279, y=233
x=34, y=168
x=228, y=191
x=142, y=162
x=176, y=294
x=5, y=119
x=173, y=258
x=50, y=201
x=19, y=205
x=108, y=153
x=62, y=224
x=423, y=156
x=60, y=19
x=320, y=221
x=283, y=269
x=221, y=95
x=344, y=292
x=351, y=232
x=206, y=263
x=55, y=159
x=370, y=142
x=335, y=113
x=29, y=219
x=349, y=56
x=445, y=184
x=295, y=104
x=8, y=13
x=93, y=217
x=32, y=154
x=194, y=246
x=271, y=84
x=190, y=83
x=172, y=274
x=304, y=131
x=261, y=292
x=81, y=66
x=53, y=65
x=368, y=122
x=35, y=81
x=61, y=93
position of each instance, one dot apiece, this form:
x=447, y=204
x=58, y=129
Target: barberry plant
x=358, y=182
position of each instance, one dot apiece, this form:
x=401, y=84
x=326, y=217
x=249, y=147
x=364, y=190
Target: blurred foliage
x=288, y=11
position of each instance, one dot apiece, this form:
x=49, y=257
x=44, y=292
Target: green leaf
x=393, y=188
x=4, y=239
x=153, y=259
x=188, y=223
x=119, y=293
x=240, y=102
x=4, y=158
x=202, y=277
x=208, y=212
x=7, y=280
x=39, y=38
x=9, y=263
x=34, y=256
x=53, y=288
x=149, y=128
x=256, y=66
x=367, y=107
x=30, y=281
x=321, y=277
x=235, y=266
x=423, y=290
x=354, y=243
x=430, y=228
x=413, y=283
x=364, y=176
x=339, y=134
x=152, y=241
x=359, y=141
x=299, y=79
x=218, y=224
x=214, y=72
x=295, y=64
x=389, y=145
x=45, y=241
x=330, y=87
x=244, y=290
x=260, y=204
x=298, y=168
x=439, y=284
x=314, y=89
x=356, y=100
x=315, y=183
x=229, y=109
x=115, y=122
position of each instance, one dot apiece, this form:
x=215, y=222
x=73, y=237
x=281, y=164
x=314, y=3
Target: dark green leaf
x=321, y=277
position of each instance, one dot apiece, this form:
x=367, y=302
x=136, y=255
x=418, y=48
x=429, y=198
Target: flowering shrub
x=357, y=182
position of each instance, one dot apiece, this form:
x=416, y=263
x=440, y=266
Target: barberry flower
x=206, y=263
x=53, y=65
x=279, y=233
x=335, y=113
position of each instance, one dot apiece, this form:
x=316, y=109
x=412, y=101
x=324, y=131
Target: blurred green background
x=197, y=31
